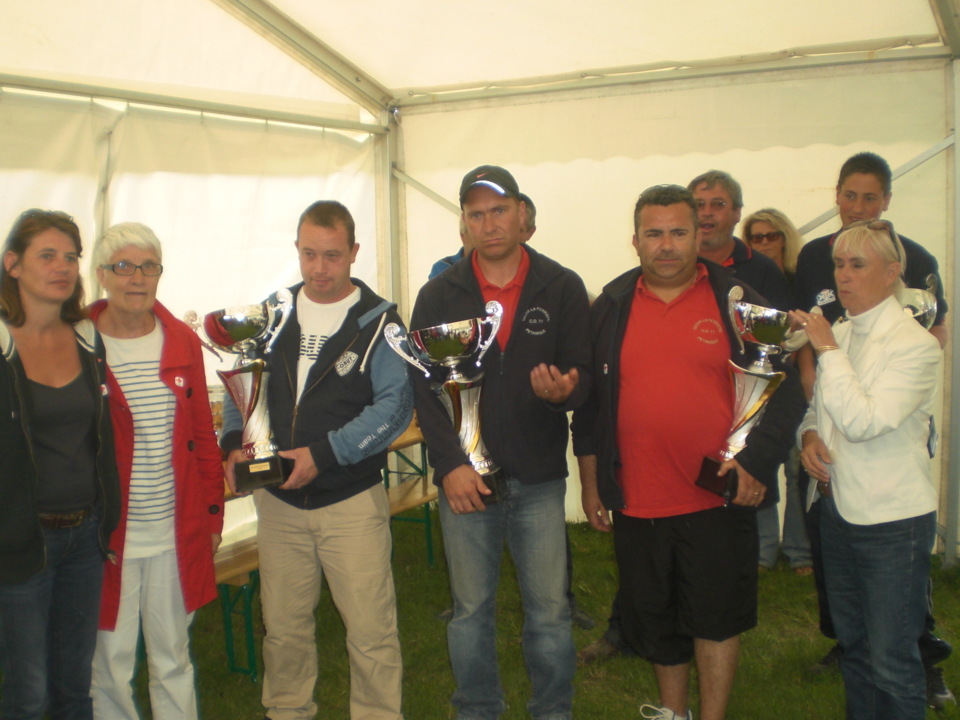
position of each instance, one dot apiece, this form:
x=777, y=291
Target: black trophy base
x=497, y=482
x=723, y=485
x=254, y=474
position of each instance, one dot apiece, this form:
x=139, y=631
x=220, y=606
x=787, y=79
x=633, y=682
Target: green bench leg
x=230, y=597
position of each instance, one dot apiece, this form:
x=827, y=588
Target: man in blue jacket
x=337, y=397
x=535, y=372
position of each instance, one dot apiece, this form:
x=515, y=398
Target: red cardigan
x=197, y=469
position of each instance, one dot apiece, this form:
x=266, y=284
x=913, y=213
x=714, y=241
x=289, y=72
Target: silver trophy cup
x=447, y=346
x=920, y=304
x=245, y=329
x=765, y=329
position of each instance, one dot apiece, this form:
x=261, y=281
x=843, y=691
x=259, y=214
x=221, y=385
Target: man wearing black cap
x=536, y=370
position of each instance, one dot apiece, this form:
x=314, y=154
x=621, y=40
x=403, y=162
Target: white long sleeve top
x=872, y=404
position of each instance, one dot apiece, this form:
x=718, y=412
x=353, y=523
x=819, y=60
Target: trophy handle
x=494, y=316
x=395, y=338
x=931, y=282
x=733, y=297
x=283, y=306
x=192, y=320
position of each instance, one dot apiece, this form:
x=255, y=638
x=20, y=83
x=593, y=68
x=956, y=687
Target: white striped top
x=135, y=363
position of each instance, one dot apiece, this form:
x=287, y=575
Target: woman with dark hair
x=865, y=442
x=58, y=478
x=171, y=479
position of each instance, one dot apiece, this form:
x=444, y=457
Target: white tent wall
x=49, y=155
x=222, y=194
x=783, y=136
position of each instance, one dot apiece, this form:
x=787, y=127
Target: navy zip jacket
x=595, y=425
x=357, y=400
x=22, y=550
x=526, y=435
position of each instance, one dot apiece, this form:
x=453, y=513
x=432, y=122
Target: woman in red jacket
x=171, y=479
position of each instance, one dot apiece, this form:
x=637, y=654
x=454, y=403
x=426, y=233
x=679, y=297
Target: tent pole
x=391, y=214
x=103, y=92
x=952, y=513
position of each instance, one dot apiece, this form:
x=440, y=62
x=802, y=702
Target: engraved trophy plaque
x=765, y=330
x=245, y=329
x=446, y=346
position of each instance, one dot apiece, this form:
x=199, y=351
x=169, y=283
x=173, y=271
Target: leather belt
x=62, y=521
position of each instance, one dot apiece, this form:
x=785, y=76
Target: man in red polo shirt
x=661, y=402
x=536, y=370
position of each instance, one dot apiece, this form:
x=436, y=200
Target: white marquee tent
x=217, y=121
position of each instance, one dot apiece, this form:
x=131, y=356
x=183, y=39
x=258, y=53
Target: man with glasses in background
x=719, y=205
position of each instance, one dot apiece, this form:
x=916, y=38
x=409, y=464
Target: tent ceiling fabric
x=197, y=49
x=435, y=45
x=183, y=48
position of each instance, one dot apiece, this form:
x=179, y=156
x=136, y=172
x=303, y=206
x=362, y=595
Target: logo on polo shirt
x=345, y=363
x=708, y=330
x=825, y=297
x=535, y=321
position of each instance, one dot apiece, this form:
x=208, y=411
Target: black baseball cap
x=493, y=177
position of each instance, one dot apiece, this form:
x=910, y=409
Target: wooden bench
x=237, y=563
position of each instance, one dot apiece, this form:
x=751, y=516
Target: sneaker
x=662, y=713
x=934, y=650
x=830, y=661
x=581, y=619
x=599, y=649
x=938, y=694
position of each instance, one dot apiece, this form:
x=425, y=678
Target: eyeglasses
x=714, y=204
x=883, y=225
x=765, y=237
x=149, y=269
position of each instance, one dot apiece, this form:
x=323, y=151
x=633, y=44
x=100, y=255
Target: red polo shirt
x=676, y=399
x=508, y=295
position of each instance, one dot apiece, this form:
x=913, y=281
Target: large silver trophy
x=920, y=304
x=244, y=329
x=765, y=329
x=447, y=346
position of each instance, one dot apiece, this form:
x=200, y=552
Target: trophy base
x=723, y=485
x=497, y=482
x=253, y=474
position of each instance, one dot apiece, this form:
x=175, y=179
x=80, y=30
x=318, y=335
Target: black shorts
x=685, y=577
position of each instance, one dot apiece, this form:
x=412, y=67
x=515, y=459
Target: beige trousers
x=350, y=542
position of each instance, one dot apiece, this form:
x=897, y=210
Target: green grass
x=773, y=680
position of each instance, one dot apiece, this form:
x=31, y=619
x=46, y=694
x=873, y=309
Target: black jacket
x=526, y=436
x=595, y=425
x=22, y=550
x=357, y=400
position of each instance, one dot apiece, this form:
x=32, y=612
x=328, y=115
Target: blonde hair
x=878, y=235
x=781, y=223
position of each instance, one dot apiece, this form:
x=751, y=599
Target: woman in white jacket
x=865, y=442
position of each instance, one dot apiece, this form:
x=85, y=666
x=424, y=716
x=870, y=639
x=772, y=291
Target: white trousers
x=150, y=595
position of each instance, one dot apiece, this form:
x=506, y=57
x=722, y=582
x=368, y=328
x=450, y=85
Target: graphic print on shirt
x=311, y=345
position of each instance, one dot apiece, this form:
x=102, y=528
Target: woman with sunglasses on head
x=865, y=443
x=171, y=480
x=770, y=232
x=58, y=479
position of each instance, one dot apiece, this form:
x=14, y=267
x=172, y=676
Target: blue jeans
x=796, y=545
x=531, y=521
x=49, y=626
x=876, y=578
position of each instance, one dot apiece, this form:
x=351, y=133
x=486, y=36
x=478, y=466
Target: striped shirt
x=135, y=363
